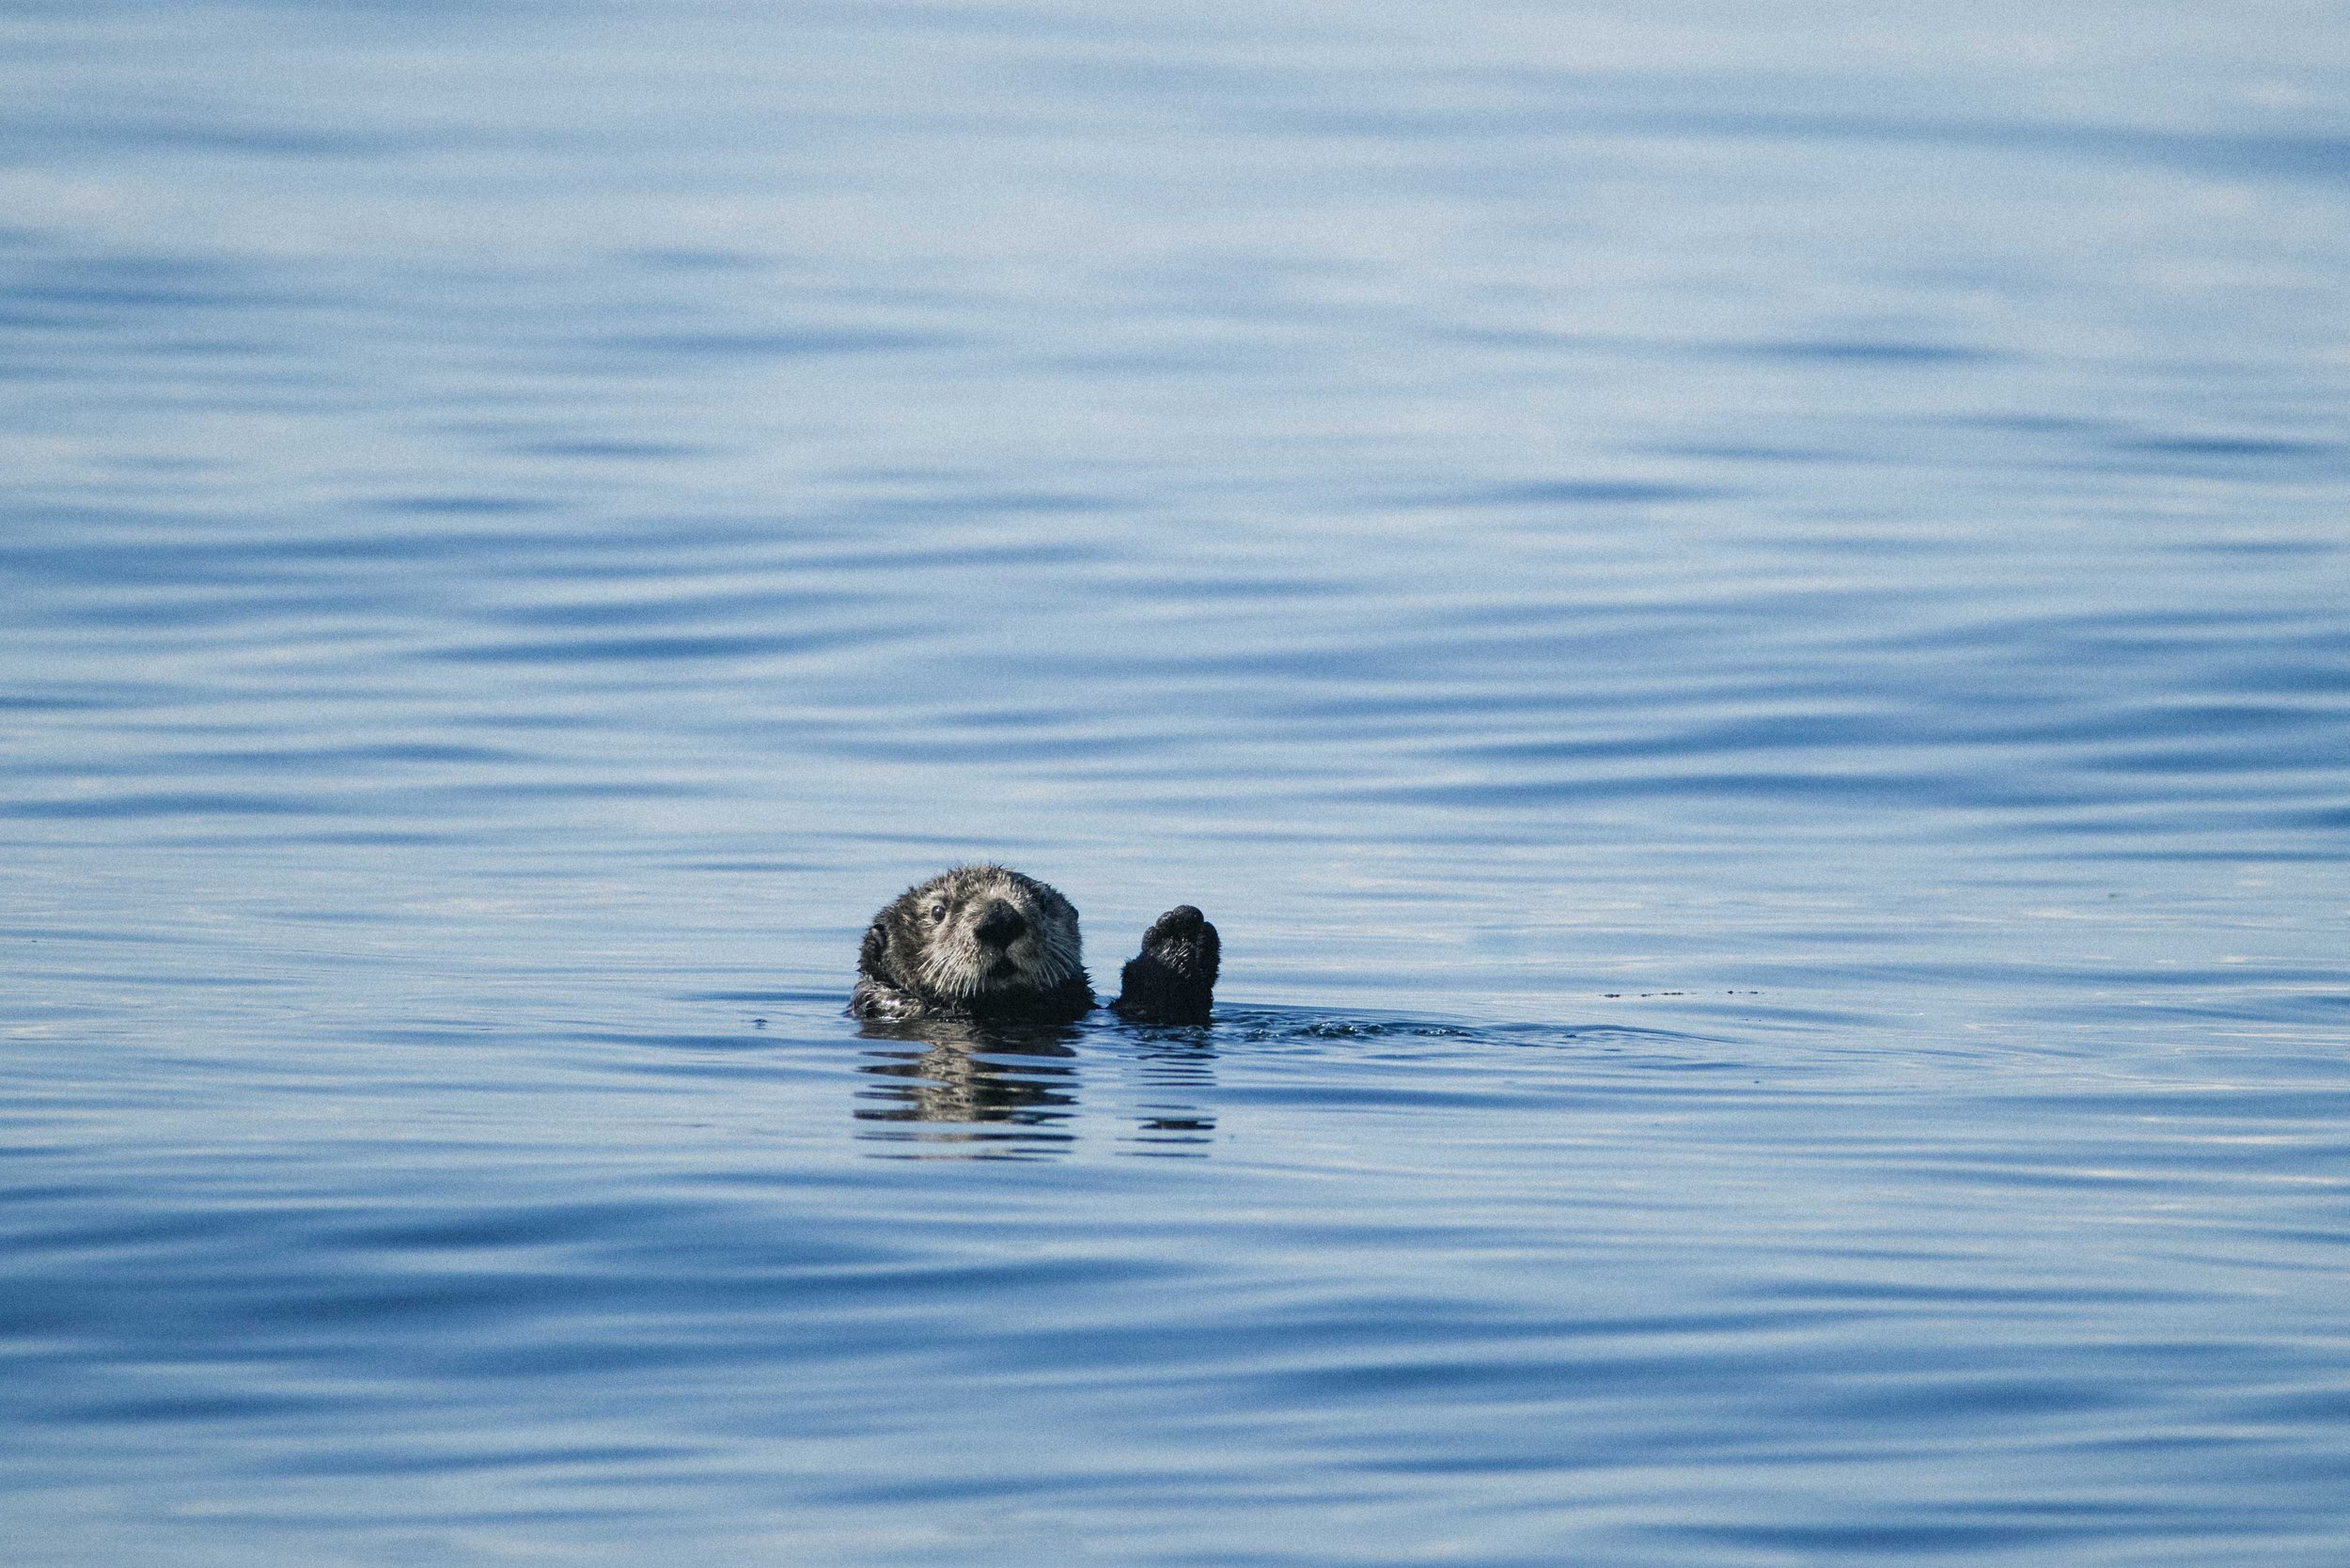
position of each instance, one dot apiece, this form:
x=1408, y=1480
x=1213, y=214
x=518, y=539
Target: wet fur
x=985, y=942
x=1172, y=978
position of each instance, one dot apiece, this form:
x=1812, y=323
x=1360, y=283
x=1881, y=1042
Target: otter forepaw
x=1172, y=980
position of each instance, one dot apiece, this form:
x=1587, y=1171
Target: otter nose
x=1001, y=925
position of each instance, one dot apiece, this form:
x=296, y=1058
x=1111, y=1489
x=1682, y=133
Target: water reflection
x=959, y=1090
x=1174, y=1071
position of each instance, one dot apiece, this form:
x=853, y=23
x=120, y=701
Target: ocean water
x=1741, y=615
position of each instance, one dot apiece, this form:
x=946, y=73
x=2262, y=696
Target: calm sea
x=1742, y=613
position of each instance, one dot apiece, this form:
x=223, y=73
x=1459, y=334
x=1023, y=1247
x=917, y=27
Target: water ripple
x=1741, y=620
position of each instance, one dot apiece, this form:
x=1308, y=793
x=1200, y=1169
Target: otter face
x=978, y=938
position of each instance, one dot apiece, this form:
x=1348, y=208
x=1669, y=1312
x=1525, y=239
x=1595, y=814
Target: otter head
x=980, y=939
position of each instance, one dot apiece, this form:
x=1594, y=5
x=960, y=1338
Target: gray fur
x=986, y=943
x=940, y=950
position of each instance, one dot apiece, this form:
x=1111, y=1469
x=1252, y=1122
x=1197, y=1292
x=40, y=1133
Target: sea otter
x=986, y=943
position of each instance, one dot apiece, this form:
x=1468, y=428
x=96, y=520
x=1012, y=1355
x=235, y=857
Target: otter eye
x=938, y=912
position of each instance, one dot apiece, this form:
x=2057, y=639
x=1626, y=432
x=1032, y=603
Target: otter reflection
x=1006, y=1088
x=961, y=1089
x=1170, y=1070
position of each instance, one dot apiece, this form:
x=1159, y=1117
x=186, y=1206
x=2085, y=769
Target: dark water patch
x=52, y=702
x=701, y=260
x=963, y=560
x=205, y=1409
x=119, y=295
x=1879, y=1293
x=189, y=608
x=374, y=1462
x=385, y=837
x=1027, y=749
x=1877, y=1542
x=314, y=142
x=1807, y=456
x=2317, y=756
x=158, y=563
x=2319, y=157
x=2279, y=675
x=2251, y=449
x=459, y=506
x=174, y=803
x=2260, y=547
x=644, y=649
x=678, y=608
x=1791, y=733
x=608, y=450
x=972, y=502
x=340, y=757
x=2179, y=714
x=1865, y=351
x=2330, y=1406
x=146, y=936
x=803, y=343
x=1585, y=493
x=2080, y=639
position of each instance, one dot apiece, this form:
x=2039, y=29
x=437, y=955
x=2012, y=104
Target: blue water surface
x=1742, y=614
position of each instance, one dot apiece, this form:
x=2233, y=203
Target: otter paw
x=1172, y=980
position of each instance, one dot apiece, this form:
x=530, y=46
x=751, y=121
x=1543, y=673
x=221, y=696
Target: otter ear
x=869, y=955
